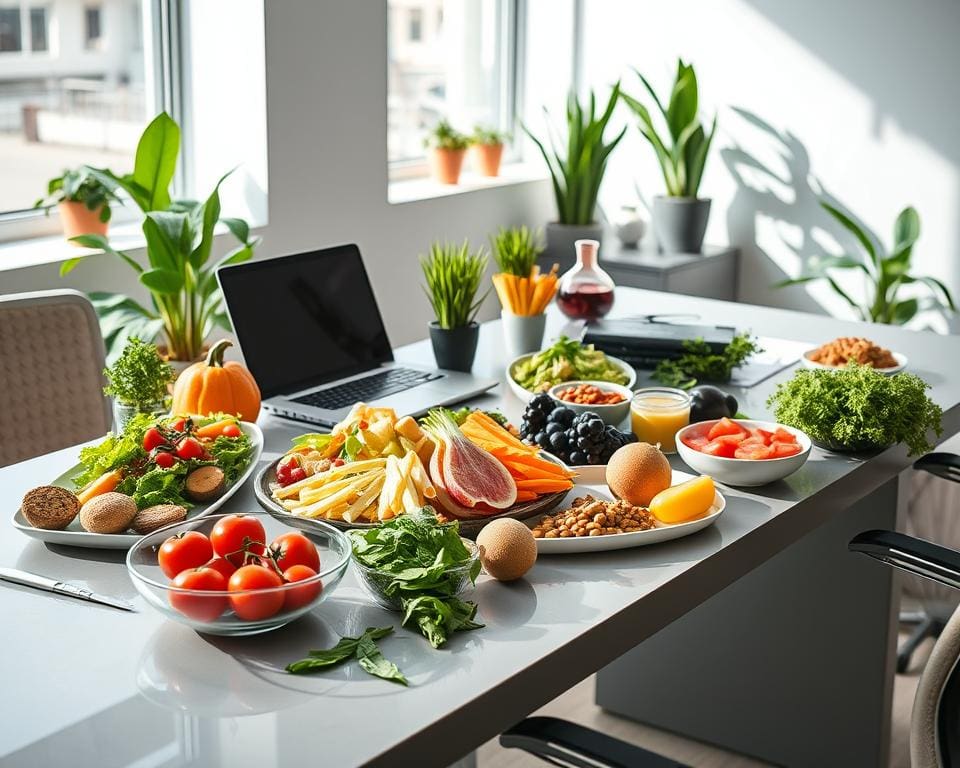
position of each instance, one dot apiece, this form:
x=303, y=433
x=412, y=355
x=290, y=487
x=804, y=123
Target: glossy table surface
x=89, y=685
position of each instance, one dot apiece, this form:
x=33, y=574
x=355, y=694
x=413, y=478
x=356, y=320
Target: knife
x=61, y=588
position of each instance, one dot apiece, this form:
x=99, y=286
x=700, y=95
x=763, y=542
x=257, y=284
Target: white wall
x=326, y=66
x=860, y=95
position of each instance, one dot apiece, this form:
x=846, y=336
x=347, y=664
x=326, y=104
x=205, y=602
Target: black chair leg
x=929, y=627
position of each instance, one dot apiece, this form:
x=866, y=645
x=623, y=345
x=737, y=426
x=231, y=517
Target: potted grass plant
x=679, y=218
x=486, y=144
x=577, y=164
x=447, y=148
x=82, y=200
x=180, y=270
x=452, y=274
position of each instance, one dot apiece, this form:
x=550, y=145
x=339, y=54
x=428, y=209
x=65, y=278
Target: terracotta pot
x=486, y=158
x=446, y=164
x=79, y=220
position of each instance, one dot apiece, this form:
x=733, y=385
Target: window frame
x=17, y=8
x=511, y=35
x=44, y=10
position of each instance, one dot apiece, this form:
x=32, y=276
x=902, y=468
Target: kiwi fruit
x=507, y=549
x=637, y=472
x=108, y=513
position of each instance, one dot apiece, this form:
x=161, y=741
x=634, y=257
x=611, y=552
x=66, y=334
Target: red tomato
x=761, y=434
x=189, y=448
x=697, y=442
x=297, y=597
x=725, y=427
x=179, y=425
x=753, y=452
x=782, y=436
x=265, y=599
x=152, y=438
x=224, y=567
x=185, y=550
x=294, y=548
x=233, y=533
x=198, y=606
x=782, y=450
x=338, y=462
x=285, y=469
x=730, y=439
x=231, y=430
x=164, y=459
x=716, y=448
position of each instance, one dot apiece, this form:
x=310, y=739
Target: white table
x=88, y=685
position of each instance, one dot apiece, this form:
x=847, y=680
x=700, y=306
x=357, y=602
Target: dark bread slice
x=150, y=519
x=50, y=507
x=205, y=483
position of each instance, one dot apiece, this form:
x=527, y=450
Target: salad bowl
x=525, y=395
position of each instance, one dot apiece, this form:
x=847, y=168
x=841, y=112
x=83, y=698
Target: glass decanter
x=586, y=291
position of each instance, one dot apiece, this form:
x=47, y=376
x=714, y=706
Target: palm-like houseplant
x=577, y=165
x=680, y=218
x=884, y=273
x=180, y=272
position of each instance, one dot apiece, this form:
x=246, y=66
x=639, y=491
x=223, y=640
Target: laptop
x=312, y=335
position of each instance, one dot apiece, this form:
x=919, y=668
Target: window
x=451, y=59
x=92, y=30
x=38, y=30
x=10, y=40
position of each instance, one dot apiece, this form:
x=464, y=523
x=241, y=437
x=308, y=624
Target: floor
x=577, y=705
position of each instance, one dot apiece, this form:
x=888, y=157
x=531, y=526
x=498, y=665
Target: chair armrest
x=945, y=465
x=918, y=556
x=566, y=744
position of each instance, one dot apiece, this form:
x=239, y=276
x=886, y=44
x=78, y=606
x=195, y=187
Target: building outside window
x=38, y=30
x=92, y=17
x=456, y=61
x=10, y=38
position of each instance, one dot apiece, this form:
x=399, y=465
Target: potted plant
x=180, y=273
x=487, y=147
x=576, y=174
x=82, y=200
x=680, y=218
x=447, y=147
x=885, y=273
x=138, y=382
x=453, y=274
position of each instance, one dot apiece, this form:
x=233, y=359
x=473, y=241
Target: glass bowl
x=375, y=582
x=157, y=589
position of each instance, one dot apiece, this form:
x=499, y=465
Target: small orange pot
x=486, y=158
x=79, y=220
x=446, y=164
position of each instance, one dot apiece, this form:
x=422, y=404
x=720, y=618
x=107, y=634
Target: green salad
x=414, y=555
x=566, y=360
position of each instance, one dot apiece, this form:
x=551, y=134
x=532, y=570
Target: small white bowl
x=743, y=472
x=525, y=395
x=901, y=364
x=613, y=414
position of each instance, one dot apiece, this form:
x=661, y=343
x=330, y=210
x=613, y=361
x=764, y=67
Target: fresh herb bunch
x=856, y=407
x=364, y=649
x=139, y=377
x=445, y=136
x=515, y=250
x=453, y=276
x=415, y=554
x=488, y=136
x=79, y=186
x=576, y=174
x=698, y=362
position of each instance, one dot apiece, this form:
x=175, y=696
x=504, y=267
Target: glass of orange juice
x=657, y=413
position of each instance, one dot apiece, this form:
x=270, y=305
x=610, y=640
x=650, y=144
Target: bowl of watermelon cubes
x=743, y=452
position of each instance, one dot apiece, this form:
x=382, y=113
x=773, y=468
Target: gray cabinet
x=712, y=274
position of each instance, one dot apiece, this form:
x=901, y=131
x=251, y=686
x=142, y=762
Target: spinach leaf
x=438, y=618
x=373, y=661
x=363, y=648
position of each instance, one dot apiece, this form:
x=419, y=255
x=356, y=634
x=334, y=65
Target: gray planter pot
x=454, y=348
x=680, y=223
x=560, y=243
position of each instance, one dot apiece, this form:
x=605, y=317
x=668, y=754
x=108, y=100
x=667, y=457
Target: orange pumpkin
x=213, y=386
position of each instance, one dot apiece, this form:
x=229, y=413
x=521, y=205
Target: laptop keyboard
x=372, y=387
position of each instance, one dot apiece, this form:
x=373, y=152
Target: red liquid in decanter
x=586, y=291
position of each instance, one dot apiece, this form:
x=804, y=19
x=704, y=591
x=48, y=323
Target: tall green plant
x=884, y=273
x=578, y=171
x=186, y=304
x=683, y=161
x=453, y=276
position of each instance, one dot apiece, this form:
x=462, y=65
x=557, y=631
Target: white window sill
x=18, y=254
x=412, y=190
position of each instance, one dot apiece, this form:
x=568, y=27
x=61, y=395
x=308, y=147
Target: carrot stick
x=214, y=430
x=544, y=486
x=526, y=495
x=103, y=484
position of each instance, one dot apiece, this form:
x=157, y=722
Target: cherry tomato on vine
x=232, y=533
x=153, y=438
x=179, y=425
x=297, y=597
x=195, y=604
x=164, y=459
x=263, y=601
x=231, y=430
x=190, y=549
x=294, y=548
x=189, y=448
x=222, y=566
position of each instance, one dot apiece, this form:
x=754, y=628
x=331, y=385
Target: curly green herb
x=698, y=362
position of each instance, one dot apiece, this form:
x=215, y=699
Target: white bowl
x=743, y=472
x=901, y=364
x=613, y=414
x=525, y=395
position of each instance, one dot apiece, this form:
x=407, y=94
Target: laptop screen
x=306, y=319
